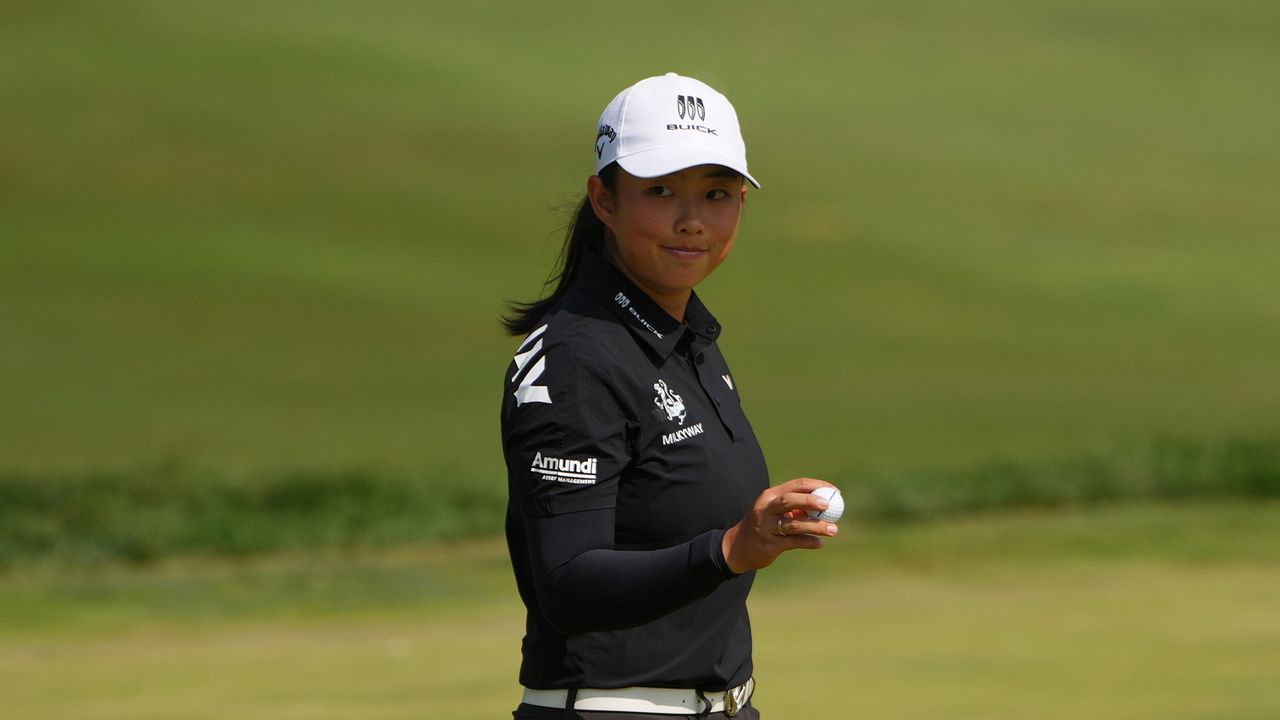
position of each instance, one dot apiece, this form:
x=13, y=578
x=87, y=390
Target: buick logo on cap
x=691, y=107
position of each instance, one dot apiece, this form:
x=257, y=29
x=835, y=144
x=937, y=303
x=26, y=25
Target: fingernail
x=823, y=504
x=832, y=529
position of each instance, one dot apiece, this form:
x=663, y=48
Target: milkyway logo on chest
x=671, y=405
x=668, y=402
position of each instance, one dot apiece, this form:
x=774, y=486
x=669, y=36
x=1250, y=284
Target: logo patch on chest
x=669, y=403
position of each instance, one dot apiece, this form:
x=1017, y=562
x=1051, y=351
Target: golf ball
x=835, y=505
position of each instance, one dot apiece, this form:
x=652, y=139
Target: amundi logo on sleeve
x=575, y=472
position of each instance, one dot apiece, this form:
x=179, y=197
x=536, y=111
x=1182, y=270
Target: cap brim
x=664, y=161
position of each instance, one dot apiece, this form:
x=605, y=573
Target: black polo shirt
x=628, y=456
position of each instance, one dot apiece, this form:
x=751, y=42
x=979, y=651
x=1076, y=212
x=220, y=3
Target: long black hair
x=585, y=234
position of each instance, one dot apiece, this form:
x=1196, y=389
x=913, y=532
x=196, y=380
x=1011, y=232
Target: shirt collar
x=646, y=319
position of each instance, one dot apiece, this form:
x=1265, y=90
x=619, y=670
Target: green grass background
x=276, y=236
x=1124, y=613
x=252, y=255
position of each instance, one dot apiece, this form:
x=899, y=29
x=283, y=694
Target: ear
x=602, y=200
x=743, y=201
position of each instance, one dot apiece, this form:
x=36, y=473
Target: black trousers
x=533, y=712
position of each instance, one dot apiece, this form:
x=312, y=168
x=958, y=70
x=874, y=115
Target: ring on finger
x=781, y=532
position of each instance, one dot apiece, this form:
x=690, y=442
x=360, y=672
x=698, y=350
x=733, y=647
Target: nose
x=689, y=222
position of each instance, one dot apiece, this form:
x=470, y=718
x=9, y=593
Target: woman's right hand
x=779, y=521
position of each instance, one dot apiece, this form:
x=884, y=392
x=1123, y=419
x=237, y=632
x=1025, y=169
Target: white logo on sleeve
x=669, y=402
x=527, y=392
x=727, y=380
x=575, y=472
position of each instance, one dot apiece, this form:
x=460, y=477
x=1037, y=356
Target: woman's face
x=670, y=232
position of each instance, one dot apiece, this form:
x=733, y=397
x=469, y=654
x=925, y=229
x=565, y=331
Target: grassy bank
x=168, y=511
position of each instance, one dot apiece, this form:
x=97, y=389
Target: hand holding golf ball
x=835, y=505
x=798, y=514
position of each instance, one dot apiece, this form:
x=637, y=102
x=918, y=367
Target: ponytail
x=586, y=234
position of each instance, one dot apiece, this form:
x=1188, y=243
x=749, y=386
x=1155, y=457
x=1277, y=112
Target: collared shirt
x=628, y=456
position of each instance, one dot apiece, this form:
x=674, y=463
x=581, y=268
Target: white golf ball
x=835, y=505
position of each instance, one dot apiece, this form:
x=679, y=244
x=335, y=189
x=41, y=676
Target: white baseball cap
x=667, y=123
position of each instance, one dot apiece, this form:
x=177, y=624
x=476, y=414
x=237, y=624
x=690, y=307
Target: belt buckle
x=736, y=698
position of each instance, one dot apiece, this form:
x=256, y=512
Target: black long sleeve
x=583, y=585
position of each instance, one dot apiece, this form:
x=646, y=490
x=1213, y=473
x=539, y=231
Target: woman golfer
x=639, y=502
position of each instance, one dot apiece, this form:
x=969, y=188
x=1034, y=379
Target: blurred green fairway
x=248, y=235
x=1129, y=613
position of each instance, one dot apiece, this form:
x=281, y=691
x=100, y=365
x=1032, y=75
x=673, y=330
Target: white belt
x=659, y=701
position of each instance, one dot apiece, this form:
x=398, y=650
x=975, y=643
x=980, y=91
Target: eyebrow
x=722, y=172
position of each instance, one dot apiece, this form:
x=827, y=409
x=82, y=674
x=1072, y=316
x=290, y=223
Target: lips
x=684, y=252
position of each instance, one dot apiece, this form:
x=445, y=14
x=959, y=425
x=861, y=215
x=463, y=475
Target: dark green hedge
x=171, y=510
x=1166, y=469
x=168, y=510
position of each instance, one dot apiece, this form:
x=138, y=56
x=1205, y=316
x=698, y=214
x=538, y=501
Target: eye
x=660, y=191
x=718, y=194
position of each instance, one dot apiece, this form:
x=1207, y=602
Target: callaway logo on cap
x=668, y=123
